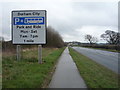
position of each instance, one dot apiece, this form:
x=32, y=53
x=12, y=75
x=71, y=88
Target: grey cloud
x=66, y=17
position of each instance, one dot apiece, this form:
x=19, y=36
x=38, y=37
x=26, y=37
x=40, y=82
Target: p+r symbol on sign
x=28, y=20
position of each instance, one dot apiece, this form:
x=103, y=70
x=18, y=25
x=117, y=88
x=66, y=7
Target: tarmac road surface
x=106, y=58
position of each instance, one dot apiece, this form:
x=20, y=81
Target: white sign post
x=29, y=27
x=18, y=52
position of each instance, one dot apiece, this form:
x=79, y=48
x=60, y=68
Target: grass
x=0, y=70
x=94, y=74
x=111, y=50
x=27, y=73
x=0, y=65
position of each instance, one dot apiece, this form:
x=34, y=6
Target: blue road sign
x=29, y=27
x=28, y=20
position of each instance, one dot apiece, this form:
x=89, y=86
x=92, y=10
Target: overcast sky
x=72, y=19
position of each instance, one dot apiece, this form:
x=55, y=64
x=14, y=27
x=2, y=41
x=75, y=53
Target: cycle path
x=66, y=74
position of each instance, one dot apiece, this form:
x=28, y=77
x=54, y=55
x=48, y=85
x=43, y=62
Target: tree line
x=112, y=38
x=54, y=39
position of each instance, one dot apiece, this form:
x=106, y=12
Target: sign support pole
x=18, y=52
x=40, y=54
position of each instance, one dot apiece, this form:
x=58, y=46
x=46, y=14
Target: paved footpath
x=66, y=74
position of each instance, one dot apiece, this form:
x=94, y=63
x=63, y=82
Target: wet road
x=66, y=74
x=106, y=58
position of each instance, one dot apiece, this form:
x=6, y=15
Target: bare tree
x=91, y=39
x=111, y=37
x=54, y=39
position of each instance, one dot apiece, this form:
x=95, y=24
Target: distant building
x=74, y=43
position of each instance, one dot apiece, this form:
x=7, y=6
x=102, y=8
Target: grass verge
x=94, y=74
x=0, y=70
x=27, y=73
x=111, y=50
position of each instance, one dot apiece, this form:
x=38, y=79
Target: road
x=66, y=74
x=106, y=58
